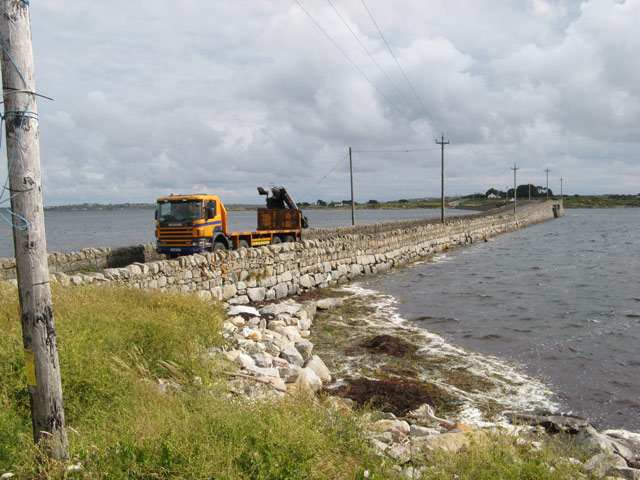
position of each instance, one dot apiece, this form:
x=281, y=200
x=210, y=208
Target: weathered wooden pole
x=515, y=168
x=547, y=170
x=353, y=204
x=442, y=143
x=25, y=189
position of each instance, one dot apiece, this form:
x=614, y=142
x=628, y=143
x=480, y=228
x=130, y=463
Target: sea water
x=560, y=298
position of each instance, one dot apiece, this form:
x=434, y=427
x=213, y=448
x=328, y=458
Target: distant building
x=493, y=195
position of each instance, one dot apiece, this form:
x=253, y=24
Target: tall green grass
x=114, y=345
x=501, y=455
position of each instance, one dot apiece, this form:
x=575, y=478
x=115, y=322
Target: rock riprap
x=271, y=349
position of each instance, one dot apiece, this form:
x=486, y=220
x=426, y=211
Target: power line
x=323, y=178
x=343, y=52
x=371, y=57
x=305, y=196
x=399, y=67
x=348, y=58
x=397, y=151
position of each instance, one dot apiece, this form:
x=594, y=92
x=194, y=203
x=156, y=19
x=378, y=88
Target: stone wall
x=378, y=228
x=88, y=259
x=276, y=271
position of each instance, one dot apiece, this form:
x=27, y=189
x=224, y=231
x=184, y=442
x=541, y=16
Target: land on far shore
x=84, y=207
x=94, y=207
x=601, y=201
x=573, y=201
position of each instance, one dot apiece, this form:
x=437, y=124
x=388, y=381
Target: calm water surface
x=561, y=298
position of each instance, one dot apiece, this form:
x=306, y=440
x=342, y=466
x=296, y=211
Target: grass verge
x=142, y=401
x=502, y=456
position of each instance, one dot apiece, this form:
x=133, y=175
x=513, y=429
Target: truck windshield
x=180, y=211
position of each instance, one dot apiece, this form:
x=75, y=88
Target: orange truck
x=187, y=224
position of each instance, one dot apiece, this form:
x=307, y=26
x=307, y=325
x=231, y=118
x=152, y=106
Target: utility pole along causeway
x=27, y=217
x=515, y=168
x=442, y=143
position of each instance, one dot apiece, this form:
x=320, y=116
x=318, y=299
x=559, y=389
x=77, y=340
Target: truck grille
x=175, y=236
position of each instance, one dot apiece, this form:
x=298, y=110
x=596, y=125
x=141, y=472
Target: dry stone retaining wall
x=276, y=271
x=88, y=259
x=377, y=228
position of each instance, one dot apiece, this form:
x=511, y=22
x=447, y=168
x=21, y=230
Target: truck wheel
x=276, y=240
x=289, y=239
x=217, y=246
x=243, y=244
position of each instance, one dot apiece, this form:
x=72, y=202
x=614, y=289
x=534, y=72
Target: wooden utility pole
x=442, y=143
x=547, y=170
x=25, y=189
x=515, y=195
x=353, y=206
x=561, y=188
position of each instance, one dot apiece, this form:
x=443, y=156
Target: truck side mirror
x=210, y=211
x=156, y=214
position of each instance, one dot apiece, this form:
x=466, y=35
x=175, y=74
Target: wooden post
x=353, y=205
x=23, y=152
x=515, y=168
x=547, y=170
x=442, y=143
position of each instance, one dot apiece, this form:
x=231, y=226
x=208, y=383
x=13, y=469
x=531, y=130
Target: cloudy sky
x=155, y=97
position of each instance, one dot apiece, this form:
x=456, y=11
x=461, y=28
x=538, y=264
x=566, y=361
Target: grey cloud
x=154, y=97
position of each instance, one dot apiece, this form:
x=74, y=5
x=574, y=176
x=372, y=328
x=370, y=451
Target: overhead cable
x=433, y=122
x=372, y=57
x=341, y=50
x=322, y=179
x=396, y=151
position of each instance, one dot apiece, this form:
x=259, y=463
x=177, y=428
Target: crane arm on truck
x=280, y=199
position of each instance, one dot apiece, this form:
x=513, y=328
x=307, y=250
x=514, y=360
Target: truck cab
x=187, y=224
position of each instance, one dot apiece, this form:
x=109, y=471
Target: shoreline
x=514, y=383
x=281, y=347
x=495, y=379
x=472, y=386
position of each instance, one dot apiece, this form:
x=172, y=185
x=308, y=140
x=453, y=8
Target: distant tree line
x=522, y=191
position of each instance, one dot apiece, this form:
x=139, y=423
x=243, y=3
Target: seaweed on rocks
x=388, y=344
x=396, y=396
